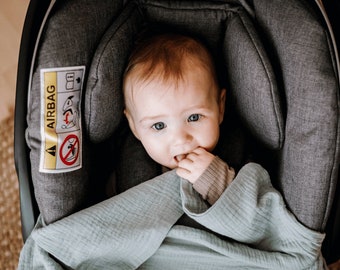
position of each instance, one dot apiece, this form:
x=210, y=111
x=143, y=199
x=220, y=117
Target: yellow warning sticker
x=61, y=134
x=51, y=139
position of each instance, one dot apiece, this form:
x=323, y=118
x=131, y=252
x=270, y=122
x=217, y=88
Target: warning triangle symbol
x=51, y=150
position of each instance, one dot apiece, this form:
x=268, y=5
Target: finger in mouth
x=180, y=157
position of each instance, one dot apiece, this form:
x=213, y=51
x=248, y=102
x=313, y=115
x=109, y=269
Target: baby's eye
x=194, y=117
x=158, y=126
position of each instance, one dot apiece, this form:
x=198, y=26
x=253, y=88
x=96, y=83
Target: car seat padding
x=69, y=38
x=301, y=53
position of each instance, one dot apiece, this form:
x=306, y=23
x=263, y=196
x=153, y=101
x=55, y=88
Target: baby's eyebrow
x=197, y=107
x=151, y=118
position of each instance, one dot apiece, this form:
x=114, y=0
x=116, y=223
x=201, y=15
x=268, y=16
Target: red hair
x=168, y=56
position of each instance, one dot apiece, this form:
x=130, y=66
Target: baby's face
x=171, y=121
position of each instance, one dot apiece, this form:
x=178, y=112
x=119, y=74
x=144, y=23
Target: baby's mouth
x=180, y=157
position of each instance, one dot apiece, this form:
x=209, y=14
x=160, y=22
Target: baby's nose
x=182, y=136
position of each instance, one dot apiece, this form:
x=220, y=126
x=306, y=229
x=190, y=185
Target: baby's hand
x=194, y=164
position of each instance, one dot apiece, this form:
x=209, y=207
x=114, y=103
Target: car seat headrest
x=104, y=98
x=255, y=93
x=229, y=32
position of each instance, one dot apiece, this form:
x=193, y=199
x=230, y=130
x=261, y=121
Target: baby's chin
x=170, y=167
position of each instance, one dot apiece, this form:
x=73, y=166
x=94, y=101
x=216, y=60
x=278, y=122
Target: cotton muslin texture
x=248, y=227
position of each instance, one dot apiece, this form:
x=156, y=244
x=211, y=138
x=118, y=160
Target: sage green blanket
x=247, y=228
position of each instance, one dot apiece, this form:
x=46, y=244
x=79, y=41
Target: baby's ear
x=222, y=104
x=131, y=123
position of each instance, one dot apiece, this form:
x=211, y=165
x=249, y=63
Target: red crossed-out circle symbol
x=69, y=150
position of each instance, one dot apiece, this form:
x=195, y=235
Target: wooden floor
x=12, y=15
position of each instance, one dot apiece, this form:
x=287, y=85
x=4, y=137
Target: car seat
x=278, y=60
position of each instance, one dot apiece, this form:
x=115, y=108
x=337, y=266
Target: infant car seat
x=277, y=58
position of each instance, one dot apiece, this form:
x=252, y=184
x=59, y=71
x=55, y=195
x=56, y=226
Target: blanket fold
x=119, y=233
x=248, y=227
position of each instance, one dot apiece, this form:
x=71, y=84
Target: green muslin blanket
x=248, y=227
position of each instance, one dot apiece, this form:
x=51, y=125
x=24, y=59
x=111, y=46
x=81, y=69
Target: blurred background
x=12, y=15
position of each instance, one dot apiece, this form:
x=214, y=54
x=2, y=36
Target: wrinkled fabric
x=248, y=227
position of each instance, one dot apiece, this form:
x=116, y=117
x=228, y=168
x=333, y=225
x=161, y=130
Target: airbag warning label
x=61, y=90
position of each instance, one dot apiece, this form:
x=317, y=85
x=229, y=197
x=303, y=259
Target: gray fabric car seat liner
x=310, y=79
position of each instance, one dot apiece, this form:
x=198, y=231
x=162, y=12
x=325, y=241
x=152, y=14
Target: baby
x=174, y=106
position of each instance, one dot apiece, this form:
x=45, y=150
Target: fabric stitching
x=115, y=27
x=276, y=110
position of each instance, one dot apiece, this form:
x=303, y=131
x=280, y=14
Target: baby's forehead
x=145, y=72
x=192, y=71
x=156, y=86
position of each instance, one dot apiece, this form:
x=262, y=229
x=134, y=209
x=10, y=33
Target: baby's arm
x=209, y=175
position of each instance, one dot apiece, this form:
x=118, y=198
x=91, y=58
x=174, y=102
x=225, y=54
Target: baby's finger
x=184, y=173
x=199, y=151
x=191, y=156
x=185, y=163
